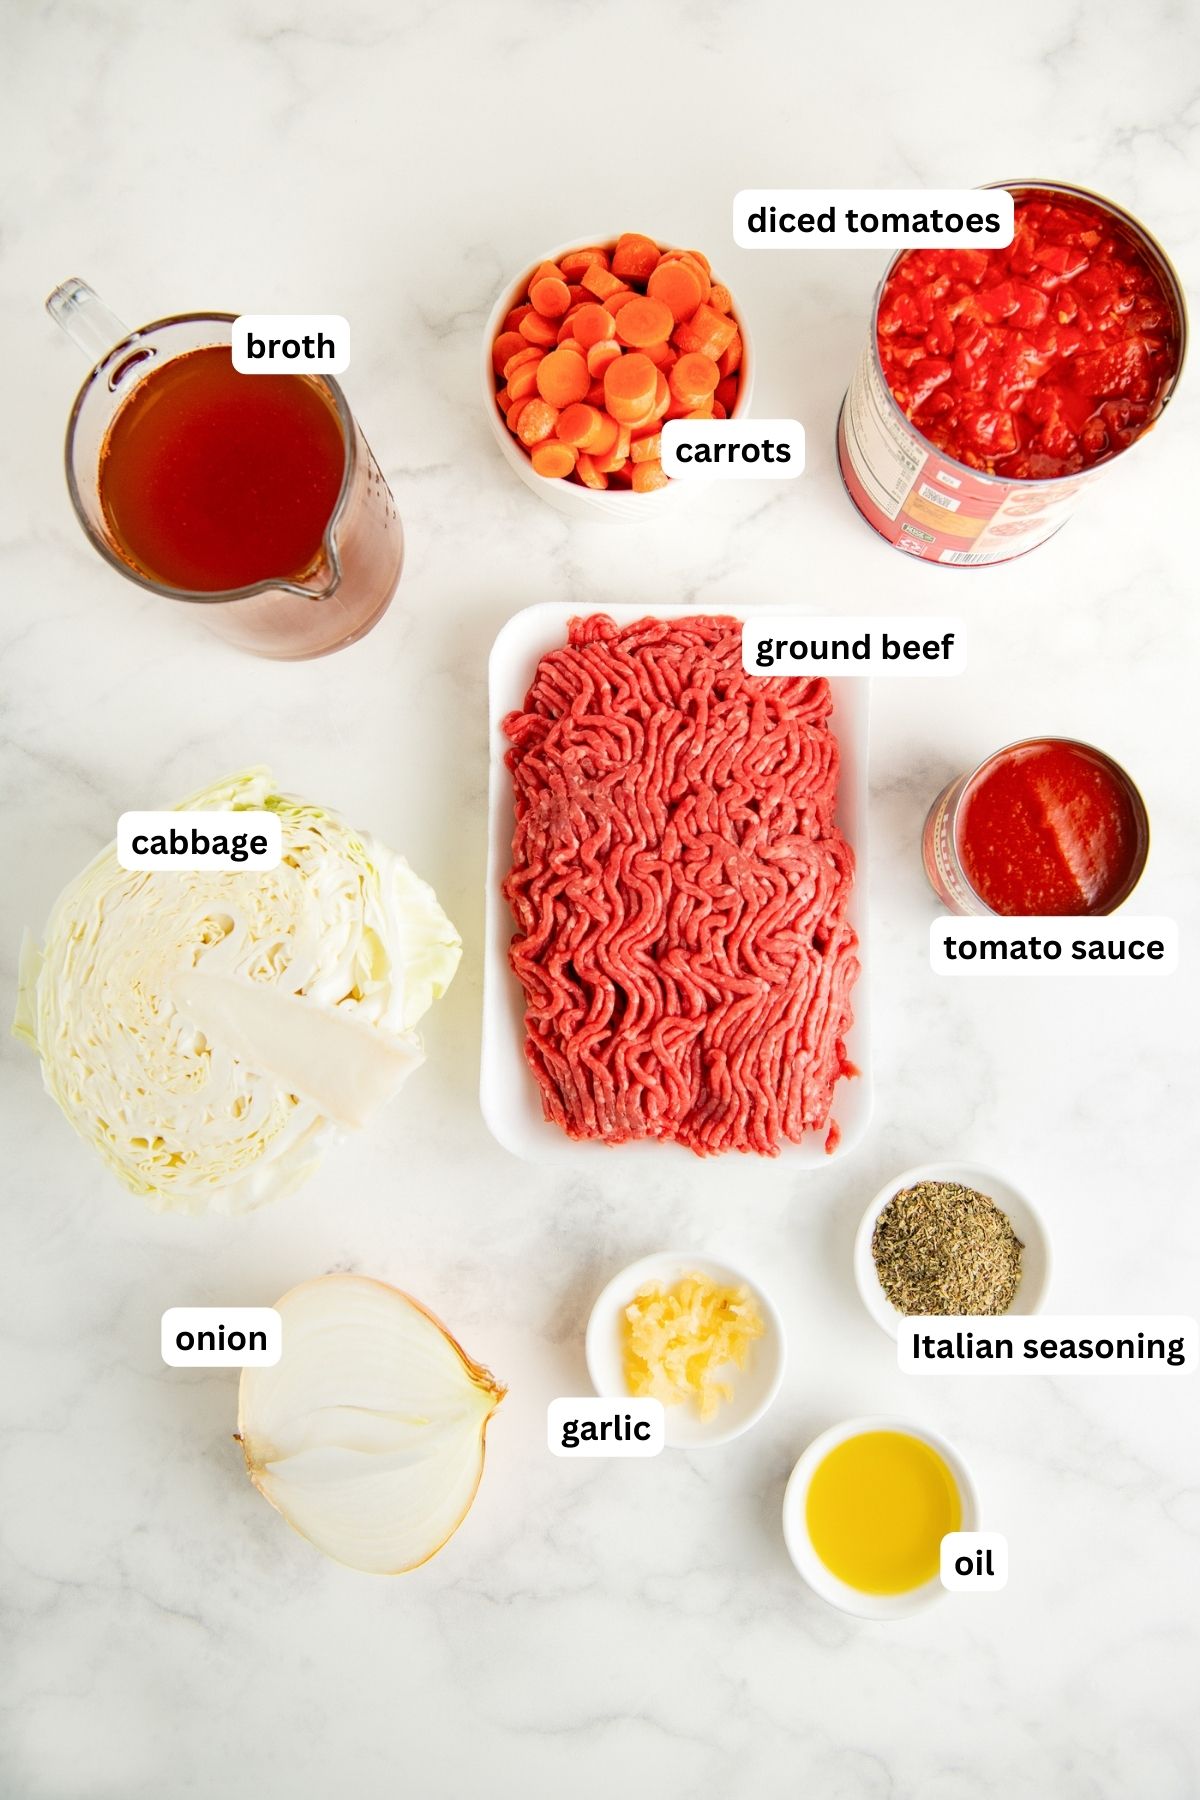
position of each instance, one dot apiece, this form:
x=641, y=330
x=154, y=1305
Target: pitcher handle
x=86, y=320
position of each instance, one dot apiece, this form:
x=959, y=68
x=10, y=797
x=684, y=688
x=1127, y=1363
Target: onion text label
x=781, y=643
x=866, y=218
x=221, y=1337
x=974, y=1562
x=291, y=344
x=223, y=842
x=587, y=1426
x=1077, y=1342
x=1114, y=945
x=733, y=449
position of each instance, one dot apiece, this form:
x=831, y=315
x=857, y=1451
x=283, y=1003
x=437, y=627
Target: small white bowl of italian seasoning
x=950, y=1238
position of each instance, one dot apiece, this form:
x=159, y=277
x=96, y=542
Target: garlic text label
x=780, y=643
x=587, y=1426
x=974, y=1562
x=220, y=841
x=866, y=218
x=733, y=449
x=291, y=344
x=221, y=1337
x=1042, y=1341
x=1115, y=945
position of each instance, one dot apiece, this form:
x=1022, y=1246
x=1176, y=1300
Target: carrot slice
x=699, y=268
x=629, y=386
x=616, y=302
x=589, y=474
x=703, y=411
x=644, y=321
x=599, y=282
x=593, y=324
x=718, y=411
x=553, y=459
x=503, y=399
x=647, y=449
x=562, y=376
x=537, y=422
x=606, y=437
x=731, y=358
x=720, y=299
x=607, y=465
x=513, y=416
x=635, y=256
x=647, y=476
x=537, y=330
x=506, y=345
x=694, y=377
x=662, y=397
x=677, y=286
x=576, y=263
x=580, y=424
x=727, y=393
x=661, y=355
x=699, y=256
x=523, y=381
x=512, y=320
x=601, y=354
x=544, y=271
x=595, y=395
x=527, y=353
x=551, y=297
x=709, y=332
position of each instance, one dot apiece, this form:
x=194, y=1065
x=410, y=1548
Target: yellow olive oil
x=878, y=1508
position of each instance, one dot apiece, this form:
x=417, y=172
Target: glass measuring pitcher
x=346, y=583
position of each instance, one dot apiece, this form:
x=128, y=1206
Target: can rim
x=1174, y=287
x=1141, y=815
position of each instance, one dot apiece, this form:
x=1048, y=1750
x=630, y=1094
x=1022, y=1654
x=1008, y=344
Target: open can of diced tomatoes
x=973, y=508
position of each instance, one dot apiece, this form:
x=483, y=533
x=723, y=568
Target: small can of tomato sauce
x=1046, y=827
x=997, y=384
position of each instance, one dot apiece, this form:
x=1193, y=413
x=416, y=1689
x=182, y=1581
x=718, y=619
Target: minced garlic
x=679, y=1339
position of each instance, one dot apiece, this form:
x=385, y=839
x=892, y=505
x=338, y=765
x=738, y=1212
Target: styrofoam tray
x=508, y=1092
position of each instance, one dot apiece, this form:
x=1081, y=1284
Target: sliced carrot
x=576, y=263
x=506, y=345
x=504, y=400
x=593, y=324
x=635, y=256
x=512, y=320
x=544, y=271
x=647, y=449
x=562, y=376
x=616, y=456
x=538, y=330
x=606, y=437
x=595, y=395
x=523, y=381
x=513, y=416
x=731, y=358
x=579, y=424
x=599, y=282
x=601, y=354
x=578, y=293
x=629, y=386
x=699, y=256
x=662, y=397
x=661, y=355
x=718, y=411
x=622, y=477
x=551, y=297
x=677, y=286
x=647, y=476
x=703, y=411
x=694, y=377
x=553, y=459
x=527, y=353
x=709, y=332
x=720, y=298
x=699, y=268
x=644, y=321
x=589, y=474
x=537, y=422
x=616, y=302
x=727, y=393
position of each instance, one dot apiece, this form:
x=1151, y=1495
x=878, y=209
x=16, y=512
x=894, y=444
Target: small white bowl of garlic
x=673, y=1309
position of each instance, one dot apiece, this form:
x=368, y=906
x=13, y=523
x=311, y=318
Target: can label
x=927, y=505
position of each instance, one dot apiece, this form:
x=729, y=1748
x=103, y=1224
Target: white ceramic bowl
x=508, y=1093
x=1026, y=1222
x=618, y=506
x=754, y=1387
x=795, y=1527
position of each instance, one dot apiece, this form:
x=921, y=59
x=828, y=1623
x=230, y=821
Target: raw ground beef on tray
x=680, y=890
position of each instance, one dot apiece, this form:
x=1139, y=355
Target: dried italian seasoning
x=943, y=1248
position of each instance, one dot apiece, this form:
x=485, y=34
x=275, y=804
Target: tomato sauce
x=1050, y=827
x=1037, y=360
x=212, y=480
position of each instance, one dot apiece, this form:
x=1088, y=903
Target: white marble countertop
x=593, y=1624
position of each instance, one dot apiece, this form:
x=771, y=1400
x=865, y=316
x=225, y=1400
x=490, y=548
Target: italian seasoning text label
x=1040, y=1342
x=863, y=218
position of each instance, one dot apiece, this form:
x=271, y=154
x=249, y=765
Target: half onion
x=368, y=1433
